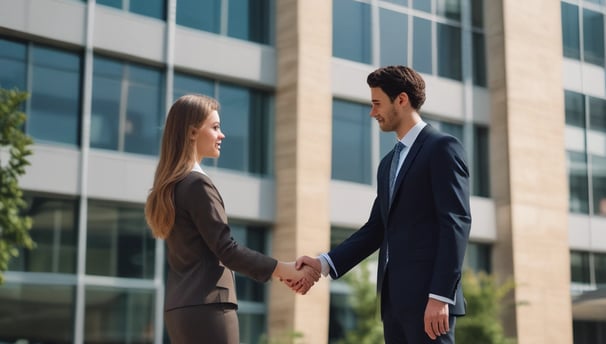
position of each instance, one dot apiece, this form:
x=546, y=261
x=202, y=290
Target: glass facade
x=149, y=8
x=128, y=107
x=423, y=34
x=246, y=121
x=250, y=20
x=586, y=129
x=583, y=33
x=52, y=77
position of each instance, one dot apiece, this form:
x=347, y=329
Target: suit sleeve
x=450, y=185
x=359, y=245
x=206, y=209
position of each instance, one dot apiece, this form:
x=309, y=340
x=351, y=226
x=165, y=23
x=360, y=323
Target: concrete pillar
x=528, y=166
x=302, y=159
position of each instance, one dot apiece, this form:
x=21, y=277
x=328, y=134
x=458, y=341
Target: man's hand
x=307, y=260
x=436, y=318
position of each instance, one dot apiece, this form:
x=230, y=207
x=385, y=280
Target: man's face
x=383, y=110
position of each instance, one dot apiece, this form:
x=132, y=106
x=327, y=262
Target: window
x=450, y=9
x=250, y=20
x=127, y=107
x=118, y=315
x=599, y=260
x=119, y=243
x=449, y=52
x=598, y=173
x=578, y=182
x=481, y=165
x=575, y=109
x=351, y=37
x=394, y=38
x=252, y=313
x=246, y=121
x=477, y=257
x=570, y=30
x=351, y=151
x=37, y=313
x=54, y=230
x=52, y=78
x=149, y=8
x=593, y=37
x=422, y=52
x=479, y=59
x=579, y=267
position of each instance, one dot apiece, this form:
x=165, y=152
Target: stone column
x=528, y=166
x=303, y=160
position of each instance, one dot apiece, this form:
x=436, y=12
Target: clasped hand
x=301, y=275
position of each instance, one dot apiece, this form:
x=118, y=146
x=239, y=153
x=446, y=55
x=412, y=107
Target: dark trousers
x=410, y=328
x=211, y=323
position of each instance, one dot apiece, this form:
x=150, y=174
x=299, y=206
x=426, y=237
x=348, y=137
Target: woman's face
x=208, y=137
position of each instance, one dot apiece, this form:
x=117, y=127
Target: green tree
x=364, y=302
x=482, y=324
x=14, y=150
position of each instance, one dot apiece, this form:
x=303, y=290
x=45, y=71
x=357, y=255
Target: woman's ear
x=193, y=133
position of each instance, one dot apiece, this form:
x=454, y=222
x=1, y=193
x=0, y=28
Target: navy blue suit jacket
x=426, y=228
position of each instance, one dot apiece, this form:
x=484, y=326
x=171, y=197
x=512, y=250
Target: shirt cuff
x=442, y=298
x=327, y=264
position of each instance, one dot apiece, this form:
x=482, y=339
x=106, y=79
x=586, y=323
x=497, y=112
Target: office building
x=521, y=83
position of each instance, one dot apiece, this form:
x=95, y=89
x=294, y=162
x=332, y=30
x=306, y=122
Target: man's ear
x=402, y=98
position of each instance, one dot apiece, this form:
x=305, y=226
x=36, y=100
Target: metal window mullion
x=589, y=160
x=375, y=34
x=467, y=74
x=84, y=165
x=224, y=15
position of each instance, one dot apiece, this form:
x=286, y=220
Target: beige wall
x=528, y=166
x=303, y=140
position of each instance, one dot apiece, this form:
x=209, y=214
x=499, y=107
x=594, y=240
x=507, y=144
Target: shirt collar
x=412, y=134
x=198, y=169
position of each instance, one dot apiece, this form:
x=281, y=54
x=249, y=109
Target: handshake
x=299, y=275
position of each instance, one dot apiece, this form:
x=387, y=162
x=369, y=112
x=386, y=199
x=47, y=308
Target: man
x=420, y=219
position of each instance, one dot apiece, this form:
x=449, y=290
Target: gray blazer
x=201, y=252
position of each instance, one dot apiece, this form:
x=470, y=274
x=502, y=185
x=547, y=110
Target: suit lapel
x=410, y=157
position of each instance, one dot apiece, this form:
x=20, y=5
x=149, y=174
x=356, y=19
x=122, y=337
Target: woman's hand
x=299, y=281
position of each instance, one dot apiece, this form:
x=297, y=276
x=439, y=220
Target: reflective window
x=351, y=30
x=477, y=13
x=245, y=120
x=586, y=331
x=450, y=9
x=117, y=315
x=119, y=243
x=593, y=37
x=422, y=5
x=481, y=165
x=575, y=109
x=598, y=181
x=13, y=65
x=422, y=56
x=149, y=8
x=201, y=15
x=597, y=115
x=394, y=42
x=250, y=20
x=252, y=313
x=36, y=313
x=54, y=105
x=570, y=30
x=578, y=182
x=477, y=257
x=127, y=107
x=351, y=132
x=479, y=59
x=185, y=84
x=449, y=52
x=54, y=230
x=579, y=267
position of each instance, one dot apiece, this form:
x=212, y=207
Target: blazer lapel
x=410, y=157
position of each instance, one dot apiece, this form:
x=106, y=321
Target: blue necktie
x=394, y=167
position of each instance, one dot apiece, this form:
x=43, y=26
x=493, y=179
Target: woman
x=186, y=210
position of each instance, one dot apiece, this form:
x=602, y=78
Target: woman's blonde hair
x=176, y=156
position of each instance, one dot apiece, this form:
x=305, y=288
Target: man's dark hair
x=394, y=80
